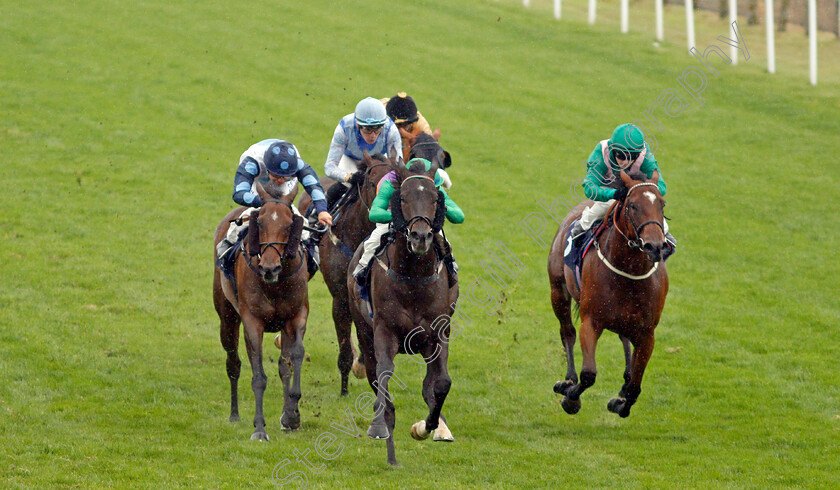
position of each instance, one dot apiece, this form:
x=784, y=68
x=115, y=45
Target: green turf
x=122, y=126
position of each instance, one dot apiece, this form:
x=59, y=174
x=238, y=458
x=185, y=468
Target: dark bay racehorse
x=412, y=304
x=623, y=289
x=350, y=229
x=269, y=294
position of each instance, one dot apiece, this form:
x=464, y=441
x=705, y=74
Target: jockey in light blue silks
x=367, y=129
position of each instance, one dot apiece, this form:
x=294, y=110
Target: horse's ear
x=264, y=195
x=655, y=177
x=289, y=198
x=397, y=218
x=436, y=134
x=293, y=242
x=447, y=160
x=253, y=235
x=440, y=212
x=366, y=160
x=628, y=181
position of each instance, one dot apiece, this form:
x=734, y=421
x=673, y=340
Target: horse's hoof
x=419, y=432
x=615, y=404
x=289, y=423
x=277, y=342
x=378, y=431
x=259, y=435
x=359, y=370
x=442, y=433
x=234, y=417
x=570, y=406
x=562, y=387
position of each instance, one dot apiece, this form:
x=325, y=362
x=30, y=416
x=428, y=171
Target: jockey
x=278, y=166
x=626, y=151
x=403, y=111
x=381, y=215
x=367, y=128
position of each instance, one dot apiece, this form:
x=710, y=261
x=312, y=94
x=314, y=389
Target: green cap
x=627, y=137
x=422, y=161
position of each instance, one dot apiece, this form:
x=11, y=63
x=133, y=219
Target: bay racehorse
x=268, y=294
x=351, y=226
x=412, y=303
x=623, y=284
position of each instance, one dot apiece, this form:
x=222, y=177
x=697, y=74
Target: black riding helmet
x=402, y=109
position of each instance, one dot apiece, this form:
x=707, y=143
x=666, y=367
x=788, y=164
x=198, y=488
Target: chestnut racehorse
x=269, y=294
x=623, y=289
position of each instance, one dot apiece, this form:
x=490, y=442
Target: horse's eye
x=631, y=205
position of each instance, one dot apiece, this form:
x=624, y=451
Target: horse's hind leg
x=561, y=302
x=229, y=335
x=435, y=389
x=589, y=335
x=643, y=348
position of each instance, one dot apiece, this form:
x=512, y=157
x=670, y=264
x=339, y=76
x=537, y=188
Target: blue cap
x=281, y=159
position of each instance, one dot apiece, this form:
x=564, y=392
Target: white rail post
x=660, y=30
x=771, y=41
x=689, y=22
x=557, y=9
x=812, y=38
x=733, y=17
x=624, y=16
x=591, y=11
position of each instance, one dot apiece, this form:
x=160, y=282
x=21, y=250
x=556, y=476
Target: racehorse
x=412, y=304
x=336, y=248
x=623, y=289
x=269, y=294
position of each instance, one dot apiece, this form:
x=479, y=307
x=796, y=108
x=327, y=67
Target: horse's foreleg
x=632, y=388
x=435, y=389
x=253, y=343
x=561, y=303
x=628, y=359
x=588, y=340
x=385, y=346
x=342, y=321
x=295, y=331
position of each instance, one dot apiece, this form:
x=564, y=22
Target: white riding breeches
x=598, y=210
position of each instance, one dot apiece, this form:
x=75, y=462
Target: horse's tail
x=576, y=311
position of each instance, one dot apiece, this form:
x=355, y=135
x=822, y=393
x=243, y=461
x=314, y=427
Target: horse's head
x=371, y=171
x=426, y=146
x=643, y=207
x=417, y=206
x=273, y=235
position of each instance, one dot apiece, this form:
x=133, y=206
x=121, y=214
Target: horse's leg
x=588, y=340
x=253, y=343
x=628, y=359
x=386, y=346
x=435, y=388
x=284, y=366
x=229, y=335
x=342, y=321
x=561, y=301
x=295, y=329
x=643, y=348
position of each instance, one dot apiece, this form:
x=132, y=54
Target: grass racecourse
x=122, y=124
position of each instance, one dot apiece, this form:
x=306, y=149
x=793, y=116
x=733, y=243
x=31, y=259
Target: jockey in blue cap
x=278, y=166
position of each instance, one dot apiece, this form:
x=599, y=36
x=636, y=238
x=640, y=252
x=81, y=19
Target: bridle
x=638, y=242
x=417, y=218
x=273, y=245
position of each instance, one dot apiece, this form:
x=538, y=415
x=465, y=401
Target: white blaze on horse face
x=651, y=196
x=421, y=188
x=274, y=216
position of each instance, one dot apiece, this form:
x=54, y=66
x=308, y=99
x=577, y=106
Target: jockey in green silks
x=381, y=215
x=625, y=151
